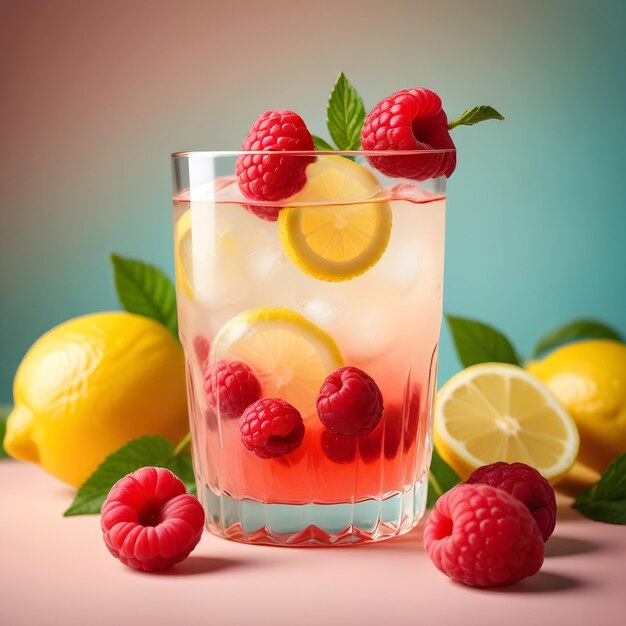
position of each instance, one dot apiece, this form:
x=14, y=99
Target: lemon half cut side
x=498, y=412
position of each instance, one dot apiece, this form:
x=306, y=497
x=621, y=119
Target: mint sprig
x=476, y=115
x=441, y=478
x=606, y=500
x=345, y=114
x=145, y=290
x=152, y=450
x=4, y=413
x=574, y=331
x=476, y=342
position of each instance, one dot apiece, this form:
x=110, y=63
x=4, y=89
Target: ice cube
x=264, y=262
x=371, y=331
x=401, y=264
x=324, y=313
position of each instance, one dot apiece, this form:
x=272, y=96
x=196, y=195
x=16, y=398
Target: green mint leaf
x=151, y=450
x=321, y=144
x=4, y=413
x=475, y=115
x=606, y=500
x=145, y=290
x=345, y=115
x=441, y=478
x=479, y=343
x=578, y=329
x=130, y=457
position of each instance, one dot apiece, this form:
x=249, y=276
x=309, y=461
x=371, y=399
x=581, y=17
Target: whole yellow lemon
x=92, y=384
x=589, y=378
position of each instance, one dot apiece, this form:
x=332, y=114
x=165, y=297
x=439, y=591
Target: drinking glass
x=347, y=272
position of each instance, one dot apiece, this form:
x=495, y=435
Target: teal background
x=95, y=96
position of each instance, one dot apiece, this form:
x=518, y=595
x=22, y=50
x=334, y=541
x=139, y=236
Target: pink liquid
x=385, y=322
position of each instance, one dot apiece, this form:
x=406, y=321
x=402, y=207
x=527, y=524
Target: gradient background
x=95, y=95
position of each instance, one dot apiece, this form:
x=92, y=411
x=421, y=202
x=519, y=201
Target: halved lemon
x=498, y=412
x=290, y=355
x=336, y=229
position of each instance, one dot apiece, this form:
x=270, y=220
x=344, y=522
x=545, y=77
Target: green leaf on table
x=476, y=342
x=152, y=450
x=475, y=115
x=345, y=115
x=321, y=144
x=145, y=290
x=606, y=500
x=4, y=413
x=578, y=329
x=441, y=478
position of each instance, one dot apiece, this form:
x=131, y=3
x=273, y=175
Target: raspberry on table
x=149, y=521
x=231, y=386
x=271, y=428
x=483, y=537
x=350, y=403
x=411, y=119
x=274, y=176
x=525, y=484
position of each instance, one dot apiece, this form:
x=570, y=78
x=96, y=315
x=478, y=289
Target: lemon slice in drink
x=498, y=412
x=290, y=355
x=211, y=268
x=338, y=241
x=182, y=253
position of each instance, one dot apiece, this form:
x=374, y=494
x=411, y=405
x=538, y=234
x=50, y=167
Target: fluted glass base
x=313, y=524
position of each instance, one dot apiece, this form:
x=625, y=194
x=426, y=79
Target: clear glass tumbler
x=276, y=297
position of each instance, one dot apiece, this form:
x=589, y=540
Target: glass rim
x=308, y=153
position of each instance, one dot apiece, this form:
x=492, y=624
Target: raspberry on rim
x=272, y=177
x=411, y=119
x=266, y=213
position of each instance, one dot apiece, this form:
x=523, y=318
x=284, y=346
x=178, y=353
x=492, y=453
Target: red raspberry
x=391, y=424
x=271, y=177
x=337, y=448
x=350, y=403
x=525, y=484
x=267, y=213
x=232, y=385
x=483, y=537
x=411, y=119
x=343, y=449
x=271, y=428
x=149, y=521
x=201, y=347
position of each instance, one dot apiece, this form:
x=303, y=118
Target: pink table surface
x=57, y=570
